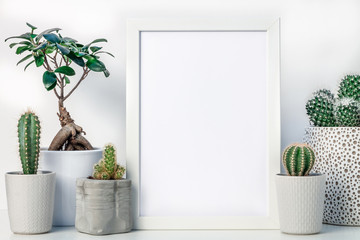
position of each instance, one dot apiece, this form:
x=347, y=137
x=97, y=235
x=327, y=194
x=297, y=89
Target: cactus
x=350, y=87
x=320, y=109
x=29, y=142
x=347, y=112
x=298, y=159
x=107, y=168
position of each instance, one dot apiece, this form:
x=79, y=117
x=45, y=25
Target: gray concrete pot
x=30, y=200
x=103, y=206
x=301, y=203
x=68, y=165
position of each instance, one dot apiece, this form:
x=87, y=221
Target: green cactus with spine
x=320, y=109
x=347, y=112
x=298, y=159
x=350, y=87
x=29, y=142
x=107, y=168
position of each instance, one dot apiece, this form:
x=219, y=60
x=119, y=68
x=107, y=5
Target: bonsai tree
x=58, y=55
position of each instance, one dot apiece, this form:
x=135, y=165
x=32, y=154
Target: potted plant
x=30, y=193
x=69, y=154
x=300, y=194
x=103, y=201
x=334, y=136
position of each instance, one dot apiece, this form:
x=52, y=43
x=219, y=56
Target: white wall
x=319, y=44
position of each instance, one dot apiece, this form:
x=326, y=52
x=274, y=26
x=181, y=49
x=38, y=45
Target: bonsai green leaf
x=67, y=39
x=31, y=26
x=50, y=49
x=33, y=36
x=63, y=50
x=80, y=54
x=51, y=37
x=67, y=80
x=49, y=80
x=78, y=60
x=95, y=41
x=23, y=42
x=41, y=46
x=95, y=49
x=39, y=60
x=106, y=73
x=22, y=36
x=44, y=32
x=65, y=70
x=22, y=49
x=105, y=52
x=95, y=65
x=24, y=59
x=29, y=64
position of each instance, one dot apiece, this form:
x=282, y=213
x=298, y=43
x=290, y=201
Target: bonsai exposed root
x=70, y=135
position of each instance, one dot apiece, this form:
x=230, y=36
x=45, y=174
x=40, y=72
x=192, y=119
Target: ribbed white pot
x=337, y=150
x=103, y=206
x=30, y=200
x=68, y=165
x=300, y=203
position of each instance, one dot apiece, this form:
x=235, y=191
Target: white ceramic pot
x=337, y=150
x=68, y=165
x=103, y=206
x=300, y=203
x=30, y=200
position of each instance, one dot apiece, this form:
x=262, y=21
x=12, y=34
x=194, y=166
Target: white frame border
x=134, y=28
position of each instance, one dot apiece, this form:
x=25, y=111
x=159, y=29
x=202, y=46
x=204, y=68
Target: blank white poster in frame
x=203, y=123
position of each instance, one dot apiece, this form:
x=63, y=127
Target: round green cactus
x=347, y=113
x=350, y=87
x=107, y=168
x=320, y=109
x=298, y=159
x=29, y=142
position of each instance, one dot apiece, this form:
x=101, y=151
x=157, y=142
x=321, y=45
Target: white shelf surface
x=329, y=232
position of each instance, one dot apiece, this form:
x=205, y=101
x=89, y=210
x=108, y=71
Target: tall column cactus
x=29, y=142
x=107, y=168
x=298, y=159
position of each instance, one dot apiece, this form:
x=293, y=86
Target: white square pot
x=68, y=165
x=30, y=200
x=300, y=203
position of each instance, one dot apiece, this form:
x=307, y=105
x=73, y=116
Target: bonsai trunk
x=70, y=135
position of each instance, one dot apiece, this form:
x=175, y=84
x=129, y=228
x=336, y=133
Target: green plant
x=107, y=168
x=350, y=87
x=298, y=159
x=29, y=142
x=320, y=109
x=58, y=55
x=347, y=112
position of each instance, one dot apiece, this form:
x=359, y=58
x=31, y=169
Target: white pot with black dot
x=338, y=156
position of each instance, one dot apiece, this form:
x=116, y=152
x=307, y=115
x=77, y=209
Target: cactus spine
x=347, y=113
x=107, y=168
x=321, y=109
x=298, y=159
x=29, y=142
x=350, y=87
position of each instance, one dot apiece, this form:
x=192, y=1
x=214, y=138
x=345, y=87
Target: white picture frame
x=135, y=28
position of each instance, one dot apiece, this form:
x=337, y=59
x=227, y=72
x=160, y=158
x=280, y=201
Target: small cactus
x=107, y=168
x=320, y=109
x=350, y=87
x=29, y=142
x=298, y=159
x=347, y=113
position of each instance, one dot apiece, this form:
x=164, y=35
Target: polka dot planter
x=337, y=150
